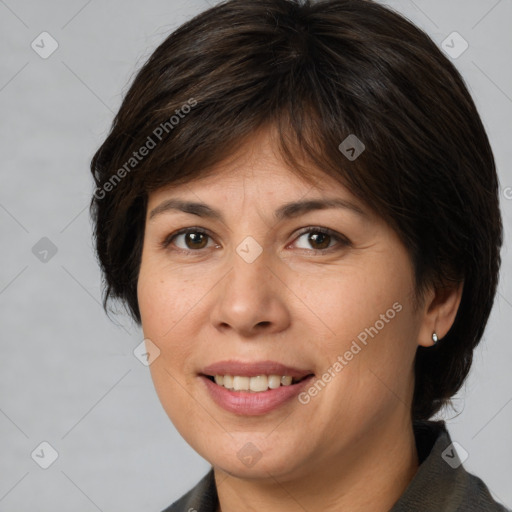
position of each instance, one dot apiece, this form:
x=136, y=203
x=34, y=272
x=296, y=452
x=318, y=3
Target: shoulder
x=441, y=482
x=201, y=498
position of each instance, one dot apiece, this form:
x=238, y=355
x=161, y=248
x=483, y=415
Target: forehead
x=256, y=168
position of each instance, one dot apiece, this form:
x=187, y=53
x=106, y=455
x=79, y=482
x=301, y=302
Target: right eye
x=188, y=240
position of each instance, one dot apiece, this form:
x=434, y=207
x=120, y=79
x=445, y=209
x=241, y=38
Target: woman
x=299, y=205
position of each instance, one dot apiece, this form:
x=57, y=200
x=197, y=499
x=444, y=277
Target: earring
x=435, y=339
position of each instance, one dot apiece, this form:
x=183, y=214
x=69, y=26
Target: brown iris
x=196, y=240
x=322, y=239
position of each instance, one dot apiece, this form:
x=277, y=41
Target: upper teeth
x=259, y=383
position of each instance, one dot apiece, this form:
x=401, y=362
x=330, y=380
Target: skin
x=352, y=446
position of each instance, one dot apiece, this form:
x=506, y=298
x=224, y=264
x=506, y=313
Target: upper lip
x=253, y=369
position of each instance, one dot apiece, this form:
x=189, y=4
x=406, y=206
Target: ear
x=439, y=310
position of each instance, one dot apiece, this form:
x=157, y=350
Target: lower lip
x=252, y=404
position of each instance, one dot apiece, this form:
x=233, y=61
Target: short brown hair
x=317, y=72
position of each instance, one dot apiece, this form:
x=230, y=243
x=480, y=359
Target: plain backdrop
x=68, y=376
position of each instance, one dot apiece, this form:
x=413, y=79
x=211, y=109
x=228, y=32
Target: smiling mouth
x=256, y=384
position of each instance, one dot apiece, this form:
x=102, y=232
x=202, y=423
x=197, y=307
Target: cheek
x=166, y=303
x=369, y=322
x=167, y=296
x=350, y=298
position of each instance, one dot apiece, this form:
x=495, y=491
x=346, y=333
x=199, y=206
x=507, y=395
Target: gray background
x=67, y=374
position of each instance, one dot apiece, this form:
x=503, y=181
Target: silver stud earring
x=435, y=339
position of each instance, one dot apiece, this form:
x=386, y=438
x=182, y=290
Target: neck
x=371, y=476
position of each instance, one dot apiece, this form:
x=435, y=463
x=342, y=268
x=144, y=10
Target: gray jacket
x=441, y=483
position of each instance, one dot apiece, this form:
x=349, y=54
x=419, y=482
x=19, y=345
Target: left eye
x=320, y=239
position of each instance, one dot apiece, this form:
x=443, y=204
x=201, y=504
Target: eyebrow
x=287, y=211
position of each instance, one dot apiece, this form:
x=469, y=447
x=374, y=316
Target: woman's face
x=267, y=286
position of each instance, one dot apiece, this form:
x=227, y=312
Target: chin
x=252, y=457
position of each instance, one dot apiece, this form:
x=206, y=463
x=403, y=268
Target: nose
x=251, y=299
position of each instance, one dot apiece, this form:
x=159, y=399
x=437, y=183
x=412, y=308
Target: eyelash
x=342, y=240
